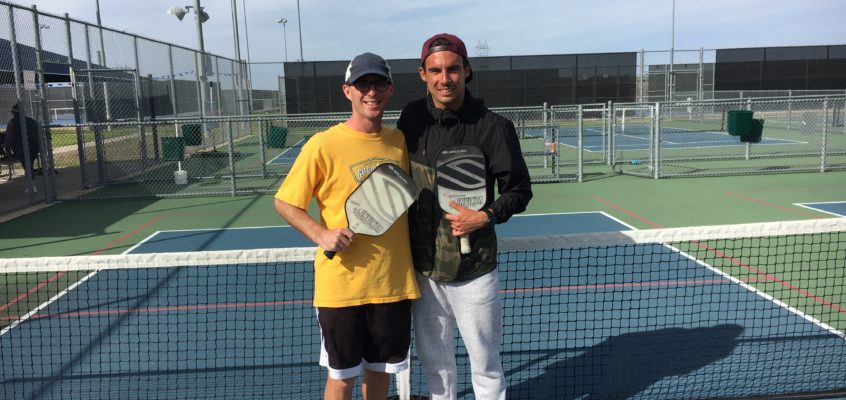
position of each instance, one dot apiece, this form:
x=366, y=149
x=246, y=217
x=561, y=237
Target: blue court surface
x=576, y=327
x=836, y=208
x=289, y=154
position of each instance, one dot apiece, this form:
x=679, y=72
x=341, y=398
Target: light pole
x=672, y=53
x=102, y=55
x=200, y=17
x=300, y=27
x=284, y=21
x=249, y=65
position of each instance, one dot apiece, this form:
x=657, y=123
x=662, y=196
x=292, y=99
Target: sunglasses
x=365, y=86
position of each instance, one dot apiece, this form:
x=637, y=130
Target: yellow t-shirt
x=331, y=166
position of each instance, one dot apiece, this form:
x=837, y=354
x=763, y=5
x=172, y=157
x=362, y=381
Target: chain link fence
x=118, y=115
x=694, y=138
x=96, y=95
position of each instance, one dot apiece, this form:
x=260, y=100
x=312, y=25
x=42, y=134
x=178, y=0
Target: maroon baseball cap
x=455, y=45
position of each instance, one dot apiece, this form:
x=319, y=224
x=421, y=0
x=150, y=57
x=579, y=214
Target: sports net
x=708, y=312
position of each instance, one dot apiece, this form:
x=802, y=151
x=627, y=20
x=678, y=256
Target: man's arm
x=328, y=239
x=511, y=174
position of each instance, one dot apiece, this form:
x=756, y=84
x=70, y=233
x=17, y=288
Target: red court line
x=618, y=285
x=773, y=278
x=772, y=205
x=224, y=306
x=642, y=219
x=156, y=310
x=38, y=287
x=126, y=236
x=31, y=291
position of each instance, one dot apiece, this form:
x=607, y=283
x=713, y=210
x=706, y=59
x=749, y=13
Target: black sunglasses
x=364, y=86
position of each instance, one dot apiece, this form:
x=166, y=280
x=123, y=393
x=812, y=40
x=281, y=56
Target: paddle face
x=379, y=201
x=460, y=177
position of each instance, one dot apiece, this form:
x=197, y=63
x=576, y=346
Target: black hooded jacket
x=427, y=130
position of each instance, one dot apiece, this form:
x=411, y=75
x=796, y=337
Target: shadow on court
x=625, y=365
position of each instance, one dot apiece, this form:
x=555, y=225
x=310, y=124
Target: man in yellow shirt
x=363, y=295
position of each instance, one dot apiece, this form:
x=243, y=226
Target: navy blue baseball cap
x=366, y=64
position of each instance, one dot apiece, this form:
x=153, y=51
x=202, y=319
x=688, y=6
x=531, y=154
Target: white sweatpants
x=475, y=306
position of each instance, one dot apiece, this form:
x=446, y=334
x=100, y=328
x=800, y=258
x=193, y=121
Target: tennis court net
x=708, y=312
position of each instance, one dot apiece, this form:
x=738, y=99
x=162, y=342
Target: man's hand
x=466, y=220
x=336, y=240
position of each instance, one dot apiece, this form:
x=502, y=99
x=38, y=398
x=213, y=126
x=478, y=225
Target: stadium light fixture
x=180, y=12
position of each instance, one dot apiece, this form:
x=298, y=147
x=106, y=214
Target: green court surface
x=112, y=226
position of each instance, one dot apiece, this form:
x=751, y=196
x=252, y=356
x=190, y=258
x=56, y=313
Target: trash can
x=756, y=130
x=276, y=136
x=173, y=148
x=193, y=134
x=739, y=122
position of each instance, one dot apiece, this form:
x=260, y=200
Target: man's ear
x=346, y=89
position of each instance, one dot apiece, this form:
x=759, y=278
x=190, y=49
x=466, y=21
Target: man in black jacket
x=459, y=289
x=13, y=141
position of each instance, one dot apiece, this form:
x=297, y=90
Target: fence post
x=789, y=108
x=217, y=86
x=231, y=155
x=656, y=143
x=609, y=121
x=142, y=139
x=546, y=139
x=642, y=75
x=80, y=139
x=824, y=140
x=262, y=131
x=700, y=85
x=748, y=145
x=172, y=82
x=46, y=145
x=580, y=147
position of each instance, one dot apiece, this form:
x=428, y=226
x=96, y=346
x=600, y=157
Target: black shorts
x=375, y=336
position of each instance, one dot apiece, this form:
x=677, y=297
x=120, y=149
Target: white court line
x=810, y=207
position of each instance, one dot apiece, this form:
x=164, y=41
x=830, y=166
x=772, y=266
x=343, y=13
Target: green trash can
x=173, y=148
x=193, y=134
x=739, y=122
x=276, y=136
x=756, y=131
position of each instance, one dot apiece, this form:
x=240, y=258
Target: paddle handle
x=329, y=254
x=465, y=243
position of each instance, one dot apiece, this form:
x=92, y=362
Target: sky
x=340, y=29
